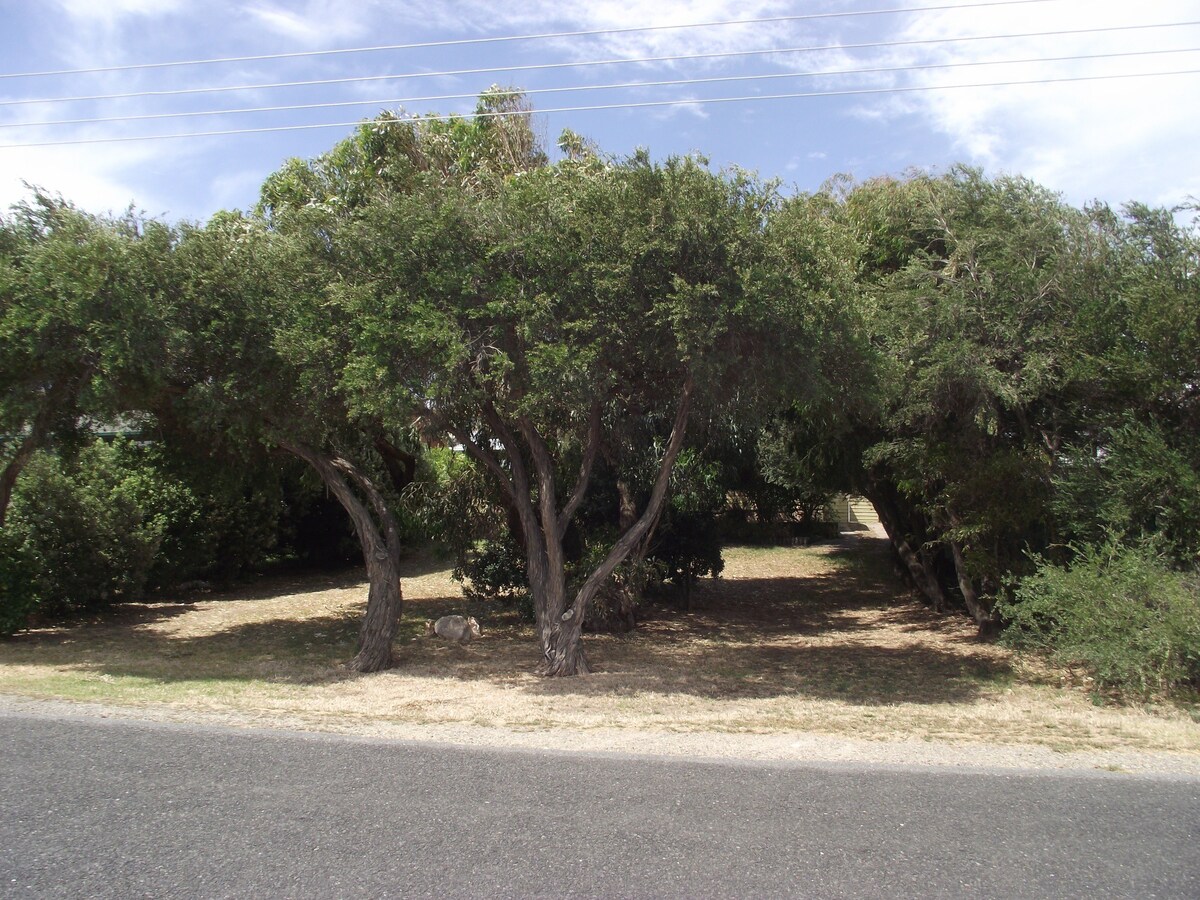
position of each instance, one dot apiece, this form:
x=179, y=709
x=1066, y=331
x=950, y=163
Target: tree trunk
x=559, y=628
x=385, y=602
x=614, y=608
x=544, y=524
x=401, y=467
x=893, y=523
x=980, y=613
x=640, y=529
x=381, y=553
x=563, y=648
x=8, y=480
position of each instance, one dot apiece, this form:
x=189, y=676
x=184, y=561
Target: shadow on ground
x=848, y=632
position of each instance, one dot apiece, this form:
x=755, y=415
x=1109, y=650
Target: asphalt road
x=108, y=808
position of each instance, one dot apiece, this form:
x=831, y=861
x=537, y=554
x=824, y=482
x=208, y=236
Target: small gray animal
x=454, y=628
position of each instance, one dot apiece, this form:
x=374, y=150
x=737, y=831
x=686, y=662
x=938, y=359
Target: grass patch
x=789, y=640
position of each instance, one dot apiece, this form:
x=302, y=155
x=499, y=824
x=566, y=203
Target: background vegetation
x=581, y=376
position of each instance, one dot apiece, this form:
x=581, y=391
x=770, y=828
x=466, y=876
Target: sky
x=1108, y=139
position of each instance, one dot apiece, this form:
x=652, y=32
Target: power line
x=461, y=42
x=600, y=62
x=611, y=106
x=680, y=82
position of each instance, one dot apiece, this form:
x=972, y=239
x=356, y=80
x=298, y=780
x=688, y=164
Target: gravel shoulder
x=796, y=747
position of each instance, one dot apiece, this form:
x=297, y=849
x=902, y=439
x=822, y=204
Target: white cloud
x=314, y=23
x=101, y=186
x=687, y=106
x=112, y=11
x=1113, y=139
x=549, y=16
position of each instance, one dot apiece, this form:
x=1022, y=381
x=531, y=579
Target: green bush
x=1120, y=611
x=1145, y=485
x=92, y=526
x=116, y=519
x=18, y=593
x=493, y=570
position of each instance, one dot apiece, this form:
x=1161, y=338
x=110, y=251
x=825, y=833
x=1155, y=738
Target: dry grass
x=790, y=640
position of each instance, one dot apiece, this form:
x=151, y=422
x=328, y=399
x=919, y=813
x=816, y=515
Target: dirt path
x=795, y=653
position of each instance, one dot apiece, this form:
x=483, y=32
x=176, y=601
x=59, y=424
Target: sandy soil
x=809, y=654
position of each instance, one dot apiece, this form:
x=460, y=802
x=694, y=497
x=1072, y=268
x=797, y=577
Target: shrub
x=18, y=593
x=116, y=519
x=1143, y=485
x=1120, y=611
x=92, y=526
x=493, y=570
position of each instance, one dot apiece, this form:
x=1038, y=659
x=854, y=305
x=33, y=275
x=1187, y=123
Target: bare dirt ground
x=794, y=653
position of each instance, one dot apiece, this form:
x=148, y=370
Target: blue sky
x=1114, y=140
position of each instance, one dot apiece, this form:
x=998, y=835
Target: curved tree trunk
x=385, y=603
x=890, y=516
x=966, y=584
x=381, y=553
x=980, y=613
x=8, y=478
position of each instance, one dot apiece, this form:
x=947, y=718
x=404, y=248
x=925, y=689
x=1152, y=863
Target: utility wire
x=516, y=37
x=609, y=106
x=396, y=101
x=603, y=62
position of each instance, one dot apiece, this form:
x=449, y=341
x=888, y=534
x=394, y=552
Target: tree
x=534, y=325
x=972, y=291
x=82, y=306
x=267, y=346
x=1130, y=468
x=1019, y=349
x=255, y=362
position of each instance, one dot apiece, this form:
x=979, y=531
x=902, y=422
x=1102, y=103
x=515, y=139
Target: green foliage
x=83, y=307
x=1000, y=372
x=226, y=519
x=687, y=543
x=93, y=526
x=1138, y=484
x=18, y=589
x=1118, y=610
x=462, y=511
x=494, y=570
x=117, y=519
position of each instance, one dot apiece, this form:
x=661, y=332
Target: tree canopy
x=1009, y=379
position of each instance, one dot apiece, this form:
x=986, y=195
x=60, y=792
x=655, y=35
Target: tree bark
x=563, y=648
x=544, y=525
x=380, y=544
x=893, y=523
x=401, y=467
x=966, y=585
x=975, y=607
x=8, y=480
x=642, y=527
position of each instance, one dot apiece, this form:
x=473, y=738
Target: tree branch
x=476, y=451
x=658, y=495
x=544, y=466
x=591, y=449
x=333, y=477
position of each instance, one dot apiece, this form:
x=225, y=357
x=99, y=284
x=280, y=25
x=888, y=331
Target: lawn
x=789, y=645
